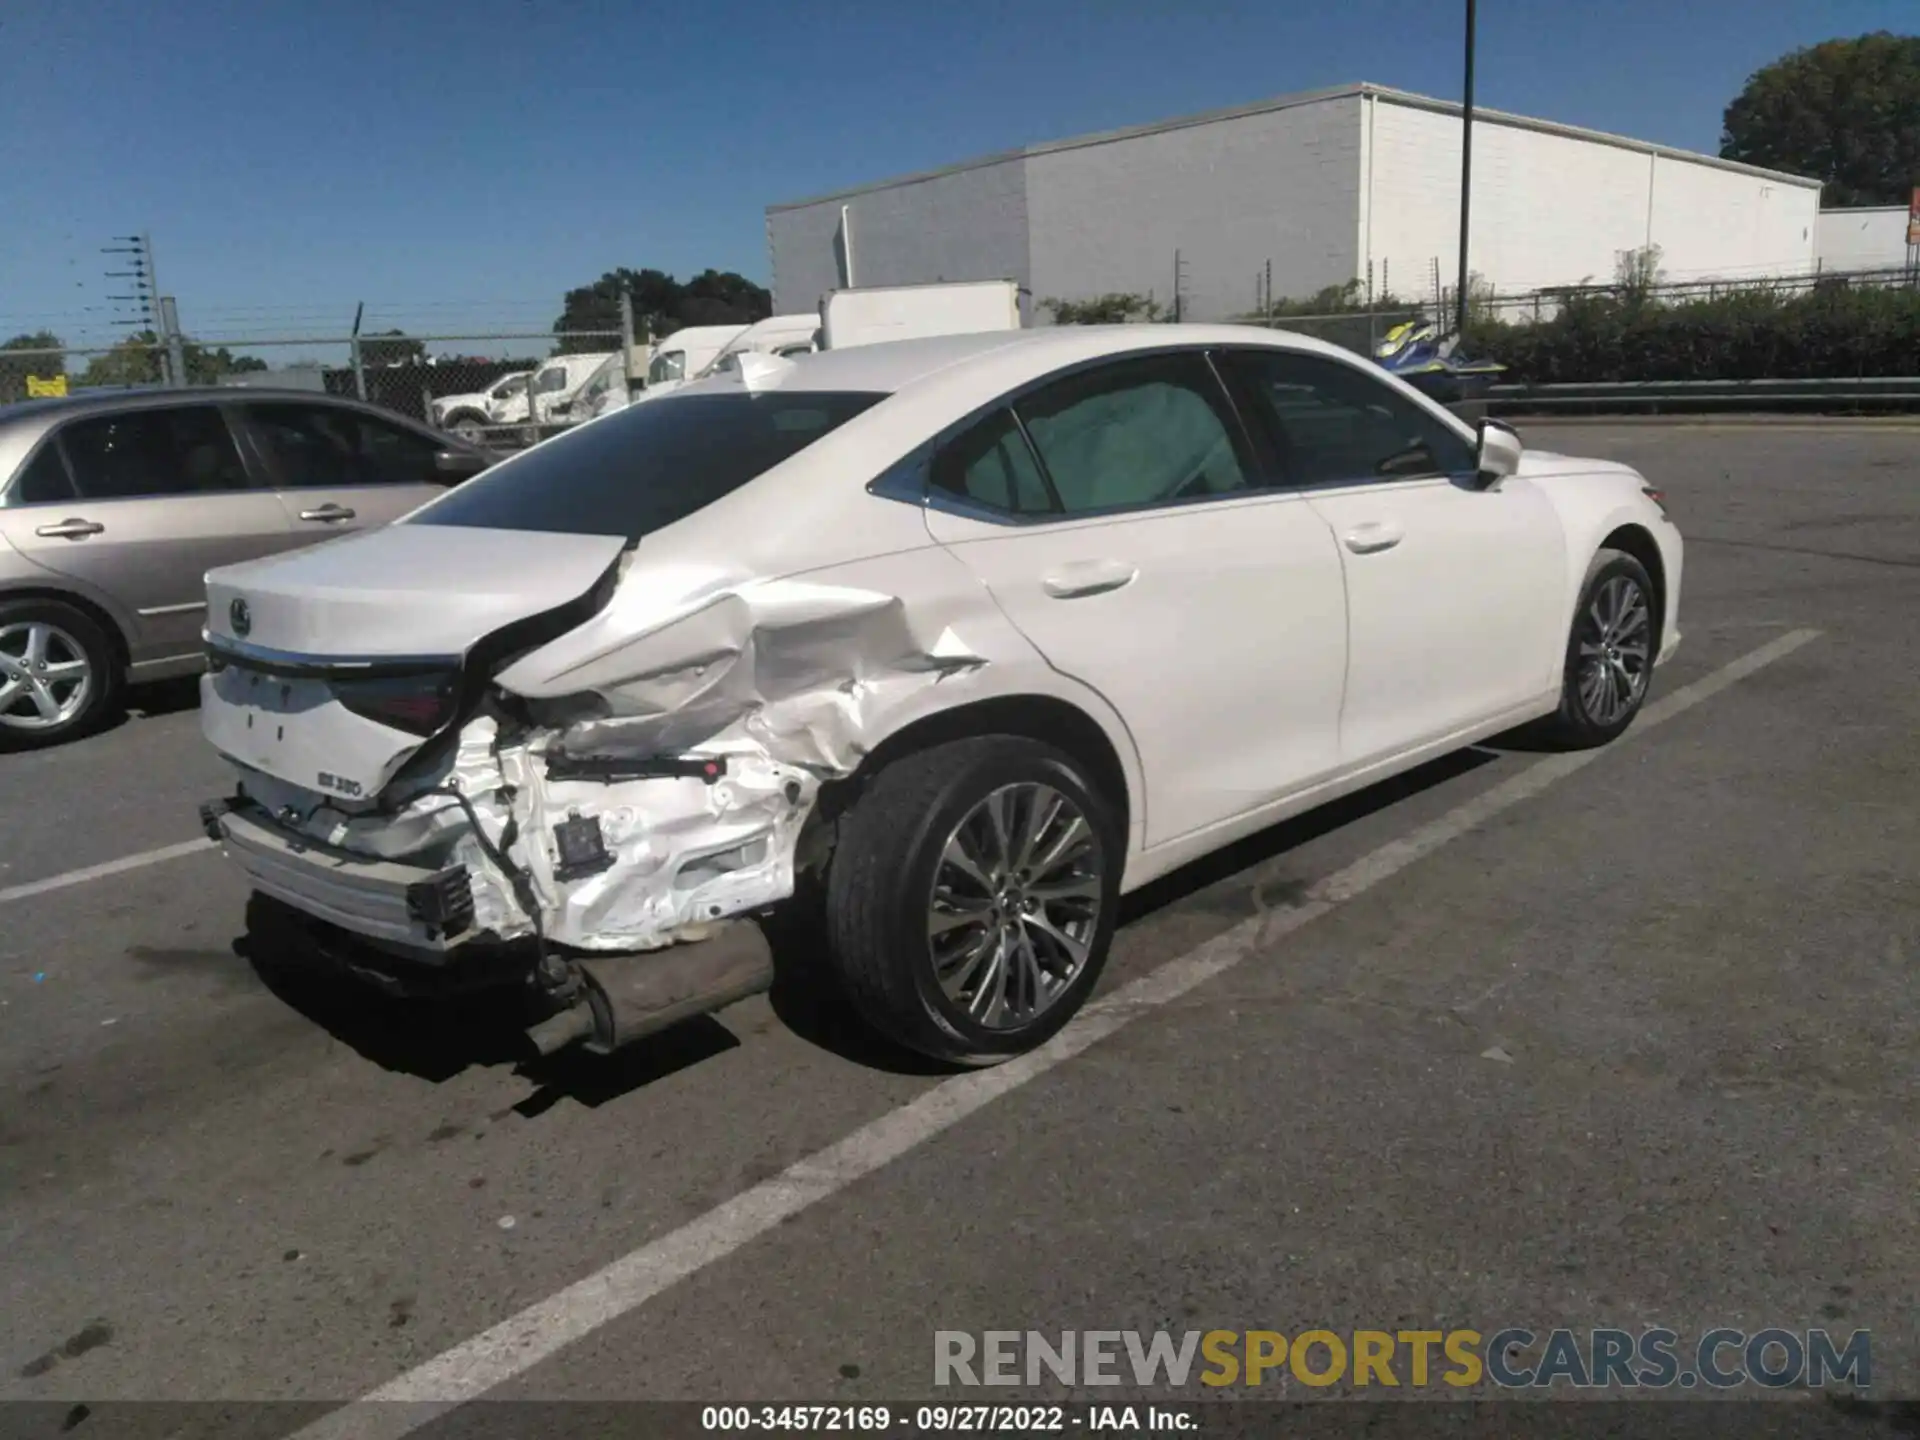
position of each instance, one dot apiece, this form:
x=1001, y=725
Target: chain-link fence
x=500, y=389
x=506, y=387
x=1344, y=316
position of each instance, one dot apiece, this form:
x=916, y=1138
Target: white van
x=783, y=335
x=685, y=353
x=608, y=387
x=555, y=385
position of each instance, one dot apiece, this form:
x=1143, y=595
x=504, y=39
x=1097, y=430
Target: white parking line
x=106, y=868
x=522, y=1341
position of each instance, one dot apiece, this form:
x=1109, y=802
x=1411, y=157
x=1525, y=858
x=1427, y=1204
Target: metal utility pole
x=146, y=289
x=1466, y=180
x=353, y=350
x=626, y=344
x=176, y=347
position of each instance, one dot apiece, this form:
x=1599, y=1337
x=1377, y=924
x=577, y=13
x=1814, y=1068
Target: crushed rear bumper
x=426, y=913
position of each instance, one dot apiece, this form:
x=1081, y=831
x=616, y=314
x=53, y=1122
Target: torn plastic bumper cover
x=625, y=794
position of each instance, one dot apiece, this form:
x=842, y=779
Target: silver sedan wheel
x=1015, y=905
x=1616, y=650
x=45, y=677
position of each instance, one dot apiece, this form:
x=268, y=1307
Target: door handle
x=1373, y=537
x=71, y=530
x=327, y=513
x=1092, y=578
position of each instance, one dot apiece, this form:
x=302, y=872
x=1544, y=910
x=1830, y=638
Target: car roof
x=893, y=366
x=144, y=397
x=688, y=333
x=23, y=424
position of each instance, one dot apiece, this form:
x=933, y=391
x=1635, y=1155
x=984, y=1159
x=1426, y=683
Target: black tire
x=76, y=631
x=1581, y=724
x=881, y=879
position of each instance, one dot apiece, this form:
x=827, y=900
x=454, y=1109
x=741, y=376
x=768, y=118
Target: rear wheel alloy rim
x=45, y=676
x=1616, y=634
x=1015, y=905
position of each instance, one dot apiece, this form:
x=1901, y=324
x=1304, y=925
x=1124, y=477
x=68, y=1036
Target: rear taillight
x=1657, y=496
x=417, y=704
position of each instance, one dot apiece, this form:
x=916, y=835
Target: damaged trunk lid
x=330, y=667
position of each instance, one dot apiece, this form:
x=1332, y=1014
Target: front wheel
x=971, y=897
x=1610, y=653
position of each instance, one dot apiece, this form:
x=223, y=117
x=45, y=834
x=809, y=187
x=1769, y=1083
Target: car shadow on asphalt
x=440, y=1038
x=808, y=999
x=164, y=697
x=809, y=1002
x=1208, y=881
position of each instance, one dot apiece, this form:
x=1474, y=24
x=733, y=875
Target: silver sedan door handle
x=1094, y=577
x=327, y=513
x=71, y=530
x=1373, y=537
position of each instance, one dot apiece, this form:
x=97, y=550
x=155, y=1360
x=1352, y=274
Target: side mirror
x=457, y=465
x=1499, y=451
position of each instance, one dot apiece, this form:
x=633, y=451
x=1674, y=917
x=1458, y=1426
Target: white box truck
x=872, y=315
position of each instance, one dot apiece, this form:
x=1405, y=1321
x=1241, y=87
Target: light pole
x=1466, y=182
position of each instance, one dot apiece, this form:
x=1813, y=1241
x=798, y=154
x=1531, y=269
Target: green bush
x=1754, y=334
x=1114, y=309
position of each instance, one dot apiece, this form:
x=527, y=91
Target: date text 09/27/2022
x=947, y=1419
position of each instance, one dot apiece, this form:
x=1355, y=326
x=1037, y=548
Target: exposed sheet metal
x=782, y=679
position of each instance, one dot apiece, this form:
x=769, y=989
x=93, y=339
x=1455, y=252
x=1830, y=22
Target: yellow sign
x=38, y=389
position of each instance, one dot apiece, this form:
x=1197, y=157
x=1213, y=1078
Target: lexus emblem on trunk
x=240, y=617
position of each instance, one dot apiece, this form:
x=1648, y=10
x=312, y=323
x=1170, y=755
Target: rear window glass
x=45, y=480
x=646, y=466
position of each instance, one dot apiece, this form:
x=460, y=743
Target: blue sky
x=459, y=164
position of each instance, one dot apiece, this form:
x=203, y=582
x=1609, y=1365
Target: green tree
x=208, y=367
x=1845, y=112
x=1114, y=309
x=14, y=371
x=138, y=360
x=134, y=361
x=590, y=315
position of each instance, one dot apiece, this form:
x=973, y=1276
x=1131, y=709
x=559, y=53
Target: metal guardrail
x=1682, y=396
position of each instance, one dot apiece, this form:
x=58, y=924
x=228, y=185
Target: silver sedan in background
x=113, y=508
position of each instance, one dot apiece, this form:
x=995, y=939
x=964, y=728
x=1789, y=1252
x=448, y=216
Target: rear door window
x=646, y=466
x=44, y=481
x=992, y=465
x=186, y=450
x=395, y=455
x=321, y=447
x=1149, y=431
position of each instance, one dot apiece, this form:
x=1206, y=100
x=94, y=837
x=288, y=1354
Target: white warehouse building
x=1359, y=183
x=1864, y=238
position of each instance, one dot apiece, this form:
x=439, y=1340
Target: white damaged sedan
x=966, y=637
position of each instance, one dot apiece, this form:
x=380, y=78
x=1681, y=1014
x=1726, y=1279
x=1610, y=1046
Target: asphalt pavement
x=1505, y=1042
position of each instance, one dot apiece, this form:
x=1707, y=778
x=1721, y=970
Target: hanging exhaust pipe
x=625, y=997
x=556, y=1032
